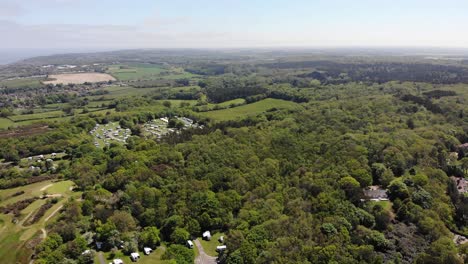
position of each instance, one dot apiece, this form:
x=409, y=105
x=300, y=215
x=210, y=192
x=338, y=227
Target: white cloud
x=10, y=9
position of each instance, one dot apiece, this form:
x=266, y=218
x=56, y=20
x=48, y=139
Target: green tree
x=180, y=236
x=149, y=237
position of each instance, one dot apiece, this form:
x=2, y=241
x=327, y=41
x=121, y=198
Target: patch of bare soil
x=79, y=78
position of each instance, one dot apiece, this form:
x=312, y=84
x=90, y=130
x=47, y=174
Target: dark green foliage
x=283, y=186
x=180, y=253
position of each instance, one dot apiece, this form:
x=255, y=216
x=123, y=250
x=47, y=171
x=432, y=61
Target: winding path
x=44, y=233
x=203, y=258
x=53, y=213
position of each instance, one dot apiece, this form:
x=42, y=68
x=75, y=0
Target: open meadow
x=252, y=109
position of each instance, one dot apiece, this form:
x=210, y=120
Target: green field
x=36, y=116
x=22, y=83
x=6, y=123
x=225, y=104
x=134, y=72
x=13, y=236
x=250, y=109
x=119, y=92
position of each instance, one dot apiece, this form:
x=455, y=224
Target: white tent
x=147, y=250
x=189, y=243
x=207, y=235
x=134, y=256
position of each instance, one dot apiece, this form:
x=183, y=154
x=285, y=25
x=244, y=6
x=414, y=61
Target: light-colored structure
x=207, y=235
x=189, y=244
x=147, y=250
x=134, y=256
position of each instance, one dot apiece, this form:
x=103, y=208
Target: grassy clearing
x=225, y=104
x=31, y=190
x=133, y=72
x=386, y=205
x=153, y=258
x=13, y=236
x=62, y=187
x=6, y=123
x=210, y=246
x=250, y=109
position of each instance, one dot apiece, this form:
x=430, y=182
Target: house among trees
x=462, y=184
x=375, y=193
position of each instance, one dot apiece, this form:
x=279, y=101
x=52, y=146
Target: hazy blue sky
x=115, y=24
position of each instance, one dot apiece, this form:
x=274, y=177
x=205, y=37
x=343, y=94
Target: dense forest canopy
x=284, y=184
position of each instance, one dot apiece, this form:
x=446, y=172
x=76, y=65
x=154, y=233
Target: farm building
x=207, y=235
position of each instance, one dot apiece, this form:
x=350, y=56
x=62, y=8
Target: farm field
x=49, y=116
x=121, y=91
x=37, y=116
x=22, y=83
x=15, y=235
x=147, y=72
x=250, y=109
x=137, y=71
x=79, y=78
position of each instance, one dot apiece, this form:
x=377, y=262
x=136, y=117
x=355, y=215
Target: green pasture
x=250, y=109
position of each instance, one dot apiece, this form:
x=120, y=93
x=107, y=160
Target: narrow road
x=203, y=258
x=101, y=258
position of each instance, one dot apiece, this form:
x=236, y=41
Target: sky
x=79, y=25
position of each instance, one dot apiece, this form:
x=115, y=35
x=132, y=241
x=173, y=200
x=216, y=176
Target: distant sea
x=13, y=55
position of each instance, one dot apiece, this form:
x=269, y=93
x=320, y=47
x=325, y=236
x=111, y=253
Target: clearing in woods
x=252, y=109
x=79, y=78
x=17, y=236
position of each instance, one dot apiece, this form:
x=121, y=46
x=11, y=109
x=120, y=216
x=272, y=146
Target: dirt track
x=203, y=258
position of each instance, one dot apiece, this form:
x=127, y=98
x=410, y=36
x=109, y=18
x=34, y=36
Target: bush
x=181, y=254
